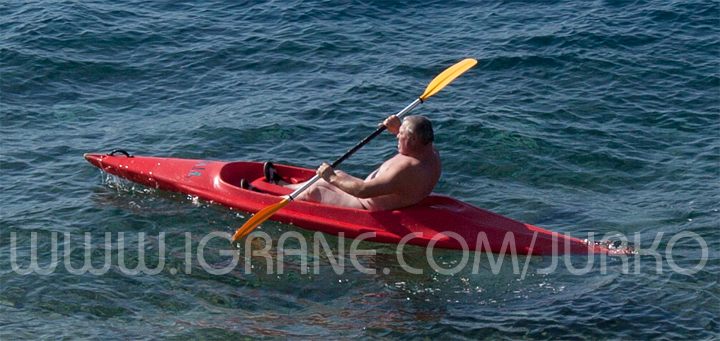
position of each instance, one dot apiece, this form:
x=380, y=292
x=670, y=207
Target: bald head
x=421, y=128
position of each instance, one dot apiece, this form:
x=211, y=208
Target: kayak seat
x=263, y=186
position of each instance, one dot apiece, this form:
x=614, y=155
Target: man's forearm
x=348, y=184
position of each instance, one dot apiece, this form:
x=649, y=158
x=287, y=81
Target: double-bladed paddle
x=439, y=82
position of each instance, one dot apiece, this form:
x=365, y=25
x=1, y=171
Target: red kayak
x=438, y=220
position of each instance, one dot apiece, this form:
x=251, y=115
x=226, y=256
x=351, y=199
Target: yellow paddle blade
x=447, y=76
x=258, y=219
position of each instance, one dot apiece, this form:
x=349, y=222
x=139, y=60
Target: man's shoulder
x=403, y=161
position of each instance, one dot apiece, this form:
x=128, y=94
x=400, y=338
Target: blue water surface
x=582, y=117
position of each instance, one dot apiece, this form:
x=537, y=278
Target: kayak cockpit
x=233, y=172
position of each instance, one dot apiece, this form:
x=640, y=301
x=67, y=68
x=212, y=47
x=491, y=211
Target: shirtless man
x=403, y=180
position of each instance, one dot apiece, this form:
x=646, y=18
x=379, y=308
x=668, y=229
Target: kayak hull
x=437, y=221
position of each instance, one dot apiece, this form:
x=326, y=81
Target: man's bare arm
x=389, y=182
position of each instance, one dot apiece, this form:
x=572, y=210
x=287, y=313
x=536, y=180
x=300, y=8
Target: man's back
x=413, y=178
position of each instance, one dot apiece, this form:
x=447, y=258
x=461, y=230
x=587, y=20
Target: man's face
x=406, y=139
